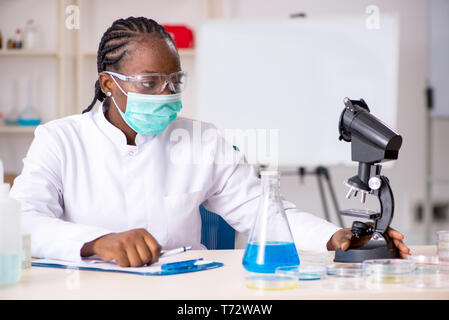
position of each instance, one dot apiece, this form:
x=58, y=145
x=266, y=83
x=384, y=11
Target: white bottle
x=30, y=36
x=10, y=235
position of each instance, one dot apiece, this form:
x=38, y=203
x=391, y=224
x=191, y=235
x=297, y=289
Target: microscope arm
x=385, y=196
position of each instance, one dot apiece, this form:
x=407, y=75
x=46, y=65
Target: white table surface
x=225, y=283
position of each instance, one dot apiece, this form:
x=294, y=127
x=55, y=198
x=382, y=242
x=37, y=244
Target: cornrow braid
x=113, y=44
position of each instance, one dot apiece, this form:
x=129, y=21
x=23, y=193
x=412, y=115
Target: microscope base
x=369, y=251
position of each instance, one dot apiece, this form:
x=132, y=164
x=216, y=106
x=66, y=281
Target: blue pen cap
x=180, y=265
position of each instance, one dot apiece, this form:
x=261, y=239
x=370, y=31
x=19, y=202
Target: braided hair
x=113, y=45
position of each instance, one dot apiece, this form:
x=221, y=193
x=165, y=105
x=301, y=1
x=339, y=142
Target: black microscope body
x=372, y=142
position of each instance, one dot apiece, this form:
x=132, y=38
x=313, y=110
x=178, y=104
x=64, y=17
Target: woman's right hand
x=133, y=248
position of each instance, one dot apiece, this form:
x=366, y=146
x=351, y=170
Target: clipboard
x=157, y=269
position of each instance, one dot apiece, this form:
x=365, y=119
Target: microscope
x=372, y=142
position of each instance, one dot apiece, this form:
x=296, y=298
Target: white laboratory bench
x=225, y=283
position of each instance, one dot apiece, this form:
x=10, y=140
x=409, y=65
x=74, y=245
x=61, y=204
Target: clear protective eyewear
x=154, y=83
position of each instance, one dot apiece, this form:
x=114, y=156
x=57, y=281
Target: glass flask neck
x=271, y=186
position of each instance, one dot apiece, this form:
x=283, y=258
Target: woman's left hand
x=344, y=239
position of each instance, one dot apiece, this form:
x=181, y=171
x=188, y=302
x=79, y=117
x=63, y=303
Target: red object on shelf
x=182, y=35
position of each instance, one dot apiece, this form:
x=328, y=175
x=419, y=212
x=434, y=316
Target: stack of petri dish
x=379, y=272
x=443, y=246
x=344, y=276
x=429, y=273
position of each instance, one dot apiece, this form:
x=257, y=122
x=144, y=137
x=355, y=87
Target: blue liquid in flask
x=29, y=122
x=266, y=258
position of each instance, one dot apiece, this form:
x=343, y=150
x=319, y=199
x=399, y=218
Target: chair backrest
x=216, y=233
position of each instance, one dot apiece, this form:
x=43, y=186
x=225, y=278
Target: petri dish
x=378, y=272
x=443, y=246
x=314, y=258
x=305, y=273
x=443, y=235
x=271, y=281
x=428, y=273
x=423, y=260
x=344, y=276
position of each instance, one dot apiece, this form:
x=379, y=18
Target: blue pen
x=181, y=265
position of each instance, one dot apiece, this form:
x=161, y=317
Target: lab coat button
x=131, y=153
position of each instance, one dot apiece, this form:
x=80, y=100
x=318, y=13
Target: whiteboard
x=439, y=56
x=292, y=76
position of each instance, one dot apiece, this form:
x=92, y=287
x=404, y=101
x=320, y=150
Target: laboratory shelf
x=17, y=129
x=28, y=53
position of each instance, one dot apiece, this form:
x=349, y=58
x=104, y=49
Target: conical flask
x=30, y=116
x=270, y=243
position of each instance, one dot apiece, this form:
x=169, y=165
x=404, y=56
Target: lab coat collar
x=114, y=133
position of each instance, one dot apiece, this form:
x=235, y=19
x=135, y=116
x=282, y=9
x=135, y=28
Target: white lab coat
x=81, y=180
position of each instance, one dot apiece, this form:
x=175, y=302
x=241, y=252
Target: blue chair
x=216, y=233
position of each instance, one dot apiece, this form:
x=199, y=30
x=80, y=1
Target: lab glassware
x=379, y=272
x=267, y=281
x=344, y=276
x=443, y=246
x=270, y=244
x=314, y=258
x=10, y=235
x=303, y=272
x=12, y=116
x=429, y=273
x=31, y=36
x=29, y=116
x=313, y=266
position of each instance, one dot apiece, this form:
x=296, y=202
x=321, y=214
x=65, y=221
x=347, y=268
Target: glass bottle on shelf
x=18, y=42
x=270, y=243
x=10, y=43
x=29, y=116
x=12, y=116
x=30, y=36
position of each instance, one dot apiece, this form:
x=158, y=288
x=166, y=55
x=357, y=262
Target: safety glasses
x=154, y=83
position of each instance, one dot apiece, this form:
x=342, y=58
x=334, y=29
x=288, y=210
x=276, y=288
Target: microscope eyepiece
x=371, y=140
